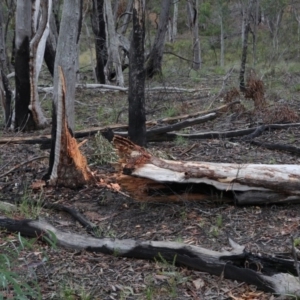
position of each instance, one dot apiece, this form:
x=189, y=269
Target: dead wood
x=46, y=139
x=220, y=109
x=279, y=147
x=69, y=166
x=171, y=177
x=268, y=272
x=249, y=133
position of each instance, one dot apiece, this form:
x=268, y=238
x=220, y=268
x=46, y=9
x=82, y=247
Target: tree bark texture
x=37, y=50
x=154, y=60
x=23, y=118
x=5, y=89
x=193, y=6
x=246, y=27
x=98, y=26
x=69, y=167
x=113, y=67
x=136, y=94
x=67, y=53
x=51, y=44
x=279, y=180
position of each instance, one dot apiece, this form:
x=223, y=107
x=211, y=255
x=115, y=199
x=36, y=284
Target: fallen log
x=268, y=272
x=278, y=181
x=46, y=139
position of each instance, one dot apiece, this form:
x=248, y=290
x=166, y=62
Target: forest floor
x=66, y=274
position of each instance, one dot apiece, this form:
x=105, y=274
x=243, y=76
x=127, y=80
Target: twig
x=22, y=164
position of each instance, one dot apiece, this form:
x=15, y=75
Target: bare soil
x=65, y=274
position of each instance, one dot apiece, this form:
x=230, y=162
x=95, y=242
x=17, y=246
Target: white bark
x=37, y=50
x=113, y=60
x=67, y=54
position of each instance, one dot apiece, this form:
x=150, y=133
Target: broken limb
x=268, y=272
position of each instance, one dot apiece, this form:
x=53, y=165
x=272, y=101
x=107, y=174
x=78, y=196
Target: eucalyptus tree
x=67, y=166
x=136, y=93
x=31, y=32
x=154, y=59
x=5, y=89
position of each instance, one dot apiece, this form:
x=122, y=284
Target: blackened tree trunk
x=98, y=26
x=51, y=43
x=5, y=89
x=30, y=39
x=246, y=27
x=136, y=93
x=22, y=37
x=154, y=60
x=193, y=6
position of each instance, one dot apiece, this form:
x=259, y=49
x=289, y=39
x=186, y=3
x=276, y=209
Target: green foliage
x=104, y=152
x=30, y=207
x=12, y=284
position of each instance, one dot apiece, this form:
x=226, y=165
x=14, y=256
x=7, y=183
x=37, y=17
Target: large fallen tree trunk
x=273, y=183
x=267, y=272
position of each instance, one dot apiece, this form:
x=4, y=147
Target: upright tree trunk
x=22, y=37
x=30, y=42
x=193, y=6
x=5, y=89
x=136, y=93
x=67, y=166
x=126, y=17
x=98, y=26
x=113, y=65
x=174, y=21
x=154, y=60
x=37, y=50
x=51, y=43
x=246, y=22
x=67, y=53
x=222, y=41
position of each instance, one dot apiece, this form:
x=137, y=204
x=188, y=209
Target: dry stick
x=225, y=78
x=22, y=164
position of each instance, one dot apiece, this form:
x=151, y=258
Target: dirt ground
x=65, y=274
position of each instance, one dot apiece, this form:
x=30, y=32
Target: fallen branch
x=22, y=164
x=193, y=115
x=46, y=139
x=108, y=87
x=267, y=272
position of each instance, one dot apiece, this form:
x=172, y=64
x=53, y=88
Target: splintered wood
x=150, y=178
x=70, y=167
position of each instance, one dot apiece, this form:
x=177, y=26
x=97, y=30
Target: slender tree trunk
x=154, y=60
x=193, y=6
x=51, y=43
x=174, y=21
x=113, y=65
x=5, y=89
x=136, y=93
x=23, y=119
x=255, y=31
x=246, y=21
x=222, y=41
x=67, y=53
x=98, y=26
x=126, y=17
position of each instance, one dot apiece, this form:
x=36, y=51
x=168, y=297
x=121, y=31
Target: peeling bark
x=282, y=180
x=69, y=167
